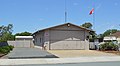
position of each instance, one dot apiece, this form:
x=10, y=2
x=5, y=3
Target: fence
x=21, y=43
x=93, y=45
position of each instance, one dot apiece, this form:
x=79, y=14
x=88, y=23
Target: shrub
x=6, y=49
x=108, y=46
x=11, y=47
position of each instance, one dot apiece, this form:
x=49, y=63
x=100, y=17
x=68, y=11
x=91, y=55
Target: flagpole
x=94, y=17
x=94, y=20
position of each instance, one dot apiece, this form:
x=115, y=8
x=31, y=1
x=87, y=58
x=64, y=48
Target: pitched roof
x=117, y=34
x=62, y=25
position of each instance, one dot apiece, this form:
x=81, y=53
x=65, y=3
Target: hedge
x=108, y=46
x=6, y=49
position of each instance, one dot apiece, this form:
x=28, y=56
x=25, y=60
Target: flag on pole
x=91, y=12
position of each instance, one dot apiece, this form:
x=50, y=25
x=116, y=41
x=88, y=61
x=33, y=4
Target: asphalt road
x=80, y=64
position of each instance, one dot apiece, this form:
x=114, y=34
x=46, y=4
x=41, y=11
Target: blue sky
x=32, y=15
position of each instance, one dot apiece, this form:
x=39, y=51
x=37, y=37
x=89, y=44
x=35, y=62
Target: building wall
x=71, y=36
x=47, y=39
x=69, y=30
x=69, y=45
x=68, y=37
x=39, y=39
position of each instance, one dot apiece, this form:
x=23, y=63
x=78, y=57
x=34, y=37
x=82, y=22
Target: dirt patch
x=79, y=53
x=114, y=52
x=1, y=55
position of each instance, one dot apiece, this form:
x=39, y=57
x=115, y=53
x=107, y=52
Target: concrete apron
x=58, y=60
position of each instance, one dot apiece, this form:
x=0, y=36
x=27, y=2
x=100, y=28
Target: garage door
x=66, y=39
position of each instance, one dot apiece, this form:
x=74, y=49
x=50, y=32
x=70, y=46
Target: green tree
x=87, y=25
x=110, y=31
x=6, y=32
x=100, y=36
x=6, y=29
x=6, y=36
x=23, y=34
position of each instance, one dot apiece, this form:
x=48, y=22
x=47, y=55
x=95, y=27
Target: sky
x=33, y=15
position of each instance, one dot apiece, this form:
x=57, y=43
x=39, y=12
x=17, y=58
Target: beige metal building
x=66, y=36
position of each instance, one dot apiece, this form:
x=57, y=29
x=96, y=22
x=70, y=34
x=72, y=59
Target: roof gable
x=68, y=24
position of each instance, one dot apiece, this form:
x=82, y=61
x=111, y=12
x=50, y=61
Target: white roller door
x=61, y=39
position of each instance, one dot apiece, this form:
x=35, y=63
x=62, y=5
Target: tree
x=6, y=29
x=9, y=28
x=93, y=35
x=100, y=36
x=6, y=37
x=108, y=32
x=87, y=25
x=23, y=34
x=6, y=33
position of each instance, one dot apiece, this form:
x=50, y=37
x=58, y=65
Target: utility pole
x=65, y=11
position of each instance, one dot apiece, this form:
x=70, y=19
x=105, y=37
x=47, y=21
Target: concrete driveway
x=79, y=53
x=19, y=53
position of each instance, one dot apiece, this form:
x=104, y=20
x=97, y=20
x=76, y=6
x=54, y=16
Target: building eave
x=62, y=25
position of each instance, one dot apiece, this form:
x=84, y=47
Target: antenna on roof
x=65, y=11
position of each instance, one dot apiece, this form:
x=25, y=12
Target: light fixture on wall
x=68, y=25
